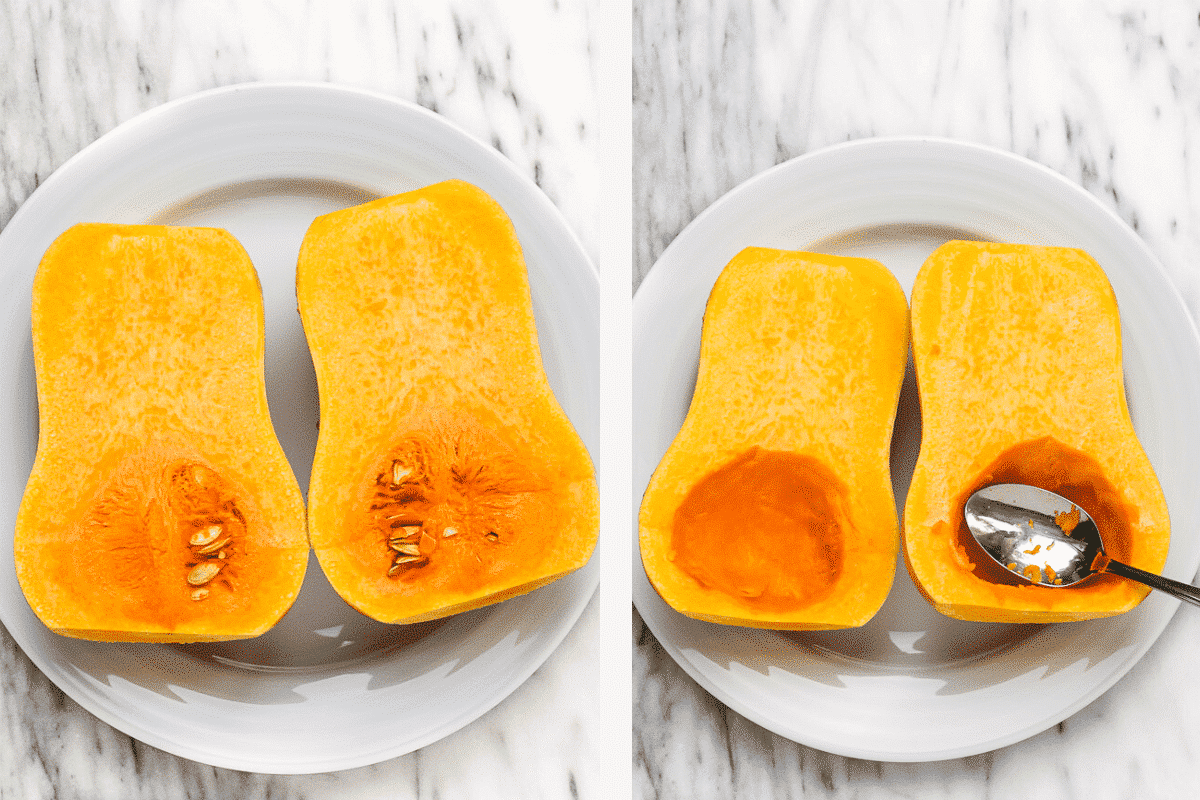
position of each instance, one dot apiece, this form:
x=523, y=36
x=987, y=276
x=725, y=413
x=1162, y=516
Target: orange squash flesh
x=446, y=475
x=773, y=507
x=154, y=431
x=1018, y=357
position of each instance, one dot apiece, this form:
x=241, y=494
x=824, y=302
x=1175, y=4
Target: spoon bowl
x=1043, y=538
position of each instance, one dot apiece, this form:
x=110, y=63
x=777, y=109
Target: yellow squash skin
x=154, y=428
x=1018, y=357
x=443, y=457
x=773, y=507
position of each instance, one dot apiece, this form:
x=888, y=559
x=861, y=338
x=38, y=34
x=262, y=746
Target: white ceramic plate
x=327, y=688
x=912, y=685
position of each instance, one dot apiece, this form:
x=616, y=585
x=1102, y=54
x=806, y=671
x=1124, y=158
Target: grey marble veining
x=1097, y=92
x=1108, y=95
x=523, y=83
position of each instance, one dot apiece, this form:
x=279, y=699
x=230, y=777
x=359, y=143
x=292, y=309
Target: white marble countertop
x=524, y=83
x=1107, y=94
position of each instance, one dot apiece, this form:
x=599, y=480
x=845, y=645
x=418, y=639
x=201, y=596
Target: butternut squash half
x=160, y=506
x=446, y=475
x=1018, y=357
x=773, y=507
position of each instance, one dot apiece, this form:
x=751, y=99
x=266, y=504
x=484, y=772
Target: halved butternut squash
x=773, y=507
x=1018, y=357
x=160, y=506
x=446, y=475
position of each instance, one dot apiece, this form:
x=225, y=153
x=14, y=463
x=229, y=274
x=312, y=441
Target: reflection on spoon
x=1044, y=538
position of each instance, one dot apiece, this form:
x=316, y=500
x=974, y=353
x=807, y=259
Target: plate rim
x=643, y=591
x=317, y=93
x=151, y=116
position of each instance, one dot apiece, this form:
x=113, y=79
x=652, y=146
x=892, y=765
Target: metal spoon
x=1044, y=538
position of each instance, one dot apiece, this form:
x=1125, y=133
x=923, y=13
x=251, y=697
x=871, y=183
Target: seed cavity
x=447, y=477
x=161, y=493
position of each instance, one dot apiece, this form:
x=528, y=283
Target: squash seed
x=427, y=544
x=203, y=573
x=206, y=536
x=401, y=562
x=199, y=594
x=405, y=548
x=449, y=532
x=215, y=546
x=399, y=472
x=492, y=536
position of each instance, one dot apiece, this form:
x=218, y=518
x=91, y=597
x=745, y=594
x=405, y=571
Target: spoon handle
x=1183, y=591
